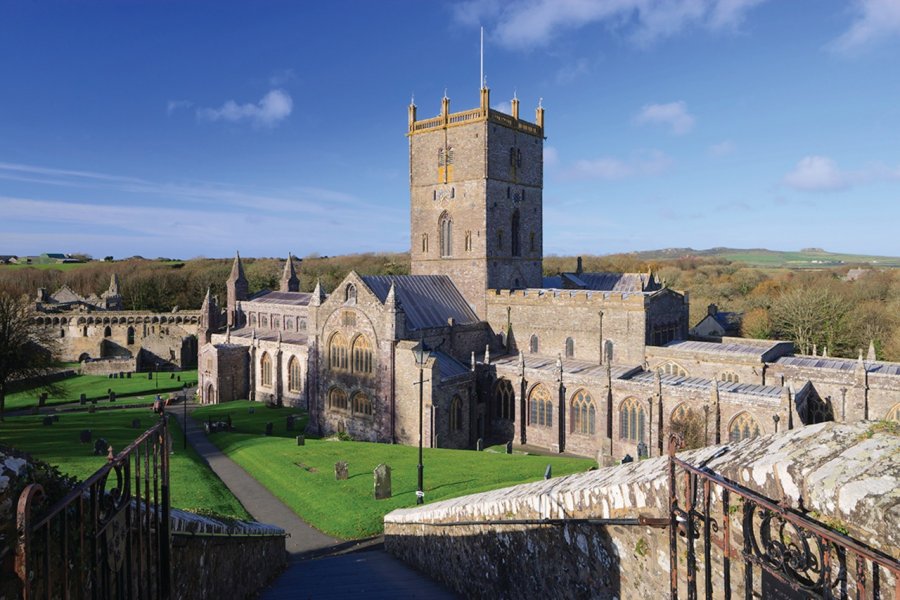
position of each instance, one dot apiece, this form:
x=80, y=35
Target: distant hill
x=808, y=258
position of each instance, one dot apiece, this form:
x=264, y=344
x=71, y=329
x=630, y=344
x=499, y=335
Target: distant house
x=8, y=259
x=717, y=324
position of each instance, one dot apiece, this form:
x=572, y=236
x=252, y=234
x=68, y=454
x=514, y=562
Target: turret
x=289, y=280
x=209, y=318
x=238, y=289
x=112, y=298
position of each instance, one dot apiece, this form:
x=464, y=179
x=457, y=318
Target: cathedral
x=592, y=364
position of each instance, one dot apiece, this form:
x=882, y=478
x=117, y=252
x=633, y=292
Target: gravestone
x=135, y=423
x=251, y=410
x=178, y=378
x=43, y=399
x=121, y=374
x=128, y=375
x=101, y=447
x=382, y=482
x=85, y=436
x=549, y=472
x=290, y=422
x=109, y=376
x=112, y=396
x=115, y=375
x=509, y=447
x=48, y=420
x=269, y=428
x=340, y=470
x=301, y=440
x=83, y=399
x=479, y=445
x=172, y=376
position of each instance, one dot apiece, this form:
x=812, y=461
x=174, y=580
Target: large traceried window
x=337, y=398
x=338, y=352
x=361, y=404
x=456, y=414
x=514, y=235
x=295, y=383
x=505, y=399
x=584, y=413
x=743, y=427
x=541, y=406
x=362, y=355
x=632, y=421
x=446, y=226
x=265, y=368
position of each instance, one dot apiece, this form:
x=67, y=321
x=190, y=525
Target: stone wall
x=105, y=366
x=207, y=566
x=844, y=474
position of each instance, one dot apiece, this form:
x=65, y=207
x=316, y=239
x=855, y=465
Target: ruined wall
x=845, y=474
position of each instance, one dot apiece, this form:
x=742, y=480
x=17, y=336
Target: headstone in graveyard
x=109, y=376
x=269, y=428
x=85, y=436
x=341, y=469
x=382, y=482
x=149, y=374
x=101, y=447
x=128, y=375
x=83, y=399
x=509, y=447
x=178, y=378
x=549, y=472
x=112, y=396
x=290, y=422
x=42, y=400
x=301, y=440
x=479, y=445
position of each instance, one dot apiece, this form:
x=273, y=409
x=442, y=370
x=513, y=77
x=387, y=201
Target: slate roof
x=604, y=282
x=427, y=300
x=448, y=366
x=840, y=364
x=730, y=321
x=65, y=295
x=571, y=366
x=271, y=335
x=700, y=383
x=746, y=349
x=292, y=298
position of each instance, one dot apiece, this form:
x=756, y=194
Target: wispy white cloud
x=723, y=148
x=537, y=22
x=674, y=114
x=822, y=174
x=876, y=20
x=551, y=156
x=173, y=105
x=273, y=108
x=649, y=163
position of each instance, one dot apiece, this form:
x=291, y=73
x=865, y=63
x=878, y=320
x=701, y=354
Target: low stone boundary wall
x=217, y=559
x=844, y=474
x=105, y=366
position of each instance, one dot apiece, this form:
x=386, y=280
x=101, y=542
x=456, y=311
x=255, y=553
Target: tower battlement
x=482, y=113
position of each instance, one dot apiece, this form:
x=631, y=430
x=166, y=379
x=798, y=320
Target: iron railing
x=796, y=555
x=108, y=537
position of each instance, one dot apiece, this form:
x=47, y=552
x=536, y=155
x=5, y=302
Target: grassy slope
x=303, y=476
x=193, y=485
x=777, y=259
x=96, y=386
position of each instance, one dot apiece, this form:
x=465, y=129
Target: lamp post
x=184, y=423
x=421, y=356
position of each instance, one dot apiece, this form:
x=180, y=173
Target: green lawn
x=193, y=485
x=303, y=476
x=96, y=386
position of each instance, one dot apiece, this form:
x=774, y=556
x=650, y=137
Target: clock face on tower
x=444, y=193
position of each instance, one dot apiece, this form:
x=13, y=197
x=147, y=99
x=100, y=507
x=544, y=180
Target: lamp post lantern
x=421, y=355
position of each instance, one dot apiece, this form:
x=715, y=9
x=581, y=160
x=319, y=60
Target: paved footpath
x=369, y=573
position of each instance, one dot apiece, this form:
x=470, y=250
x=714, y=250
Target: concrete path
x=303, y=539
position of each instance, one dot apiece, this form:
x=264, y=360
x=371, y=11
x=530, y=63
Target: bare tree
x=691, y=426
x=811, y=315
x=26, y=348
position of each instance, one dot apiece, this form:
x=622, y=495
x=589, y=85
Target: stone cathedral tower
x=476, y=184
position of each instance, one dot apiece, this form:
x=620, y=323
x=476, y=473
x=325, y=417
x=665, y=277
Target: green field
x=811, y=258
x=193, y=485
x=136, y=389
x=303, y=476
x=46, y=266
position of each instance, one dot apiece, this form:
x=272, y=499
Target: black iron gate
x=109, y=537
x=794, y=555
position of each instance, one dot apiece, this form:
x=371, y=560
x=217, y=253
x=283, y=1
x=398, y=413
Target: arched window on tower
x=425, y=243
x=514, y=235
x=632, y=421
x=570, y=348
x=295, y=381
x=533, y=344
x=265, y=367
x=446, y=225
x=456, y=414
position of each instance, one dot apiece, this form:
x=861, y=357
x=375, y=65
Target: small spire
x=871, y=357
x=289, y=280
x=318, y=296
x=391, y=299
x=412, y=99
x=113, y=285
x=445, y=93
x=487, y=354
x=237, y=269
x=473, y=361
x=824, y=351
x=540, y=103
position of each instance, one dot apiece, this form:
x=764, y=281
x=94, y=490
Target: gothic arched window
x=446, y=225
x=456, y=414
x=130, y=336
x=632, y=421
x=743, y=427
x=541, y=406
x=533, y=344
x=362, y=355
x=505, y=399
x=295, y=382
x=514, y=236
x=570, y=348
x=107, y=331
x=584, y=413
x=425, y=242
x=893, y=414
x=361, y=404
x=338, y=352
x=337, y=398
x=265, y=367
x=672, y=368
x=730, y=377
x=350, y=294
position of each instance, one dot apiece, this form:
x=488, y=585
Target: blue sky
x=199, y=128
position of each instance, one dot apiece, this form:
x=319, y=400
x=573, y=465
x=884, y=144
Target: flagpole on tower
x=481, y=80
